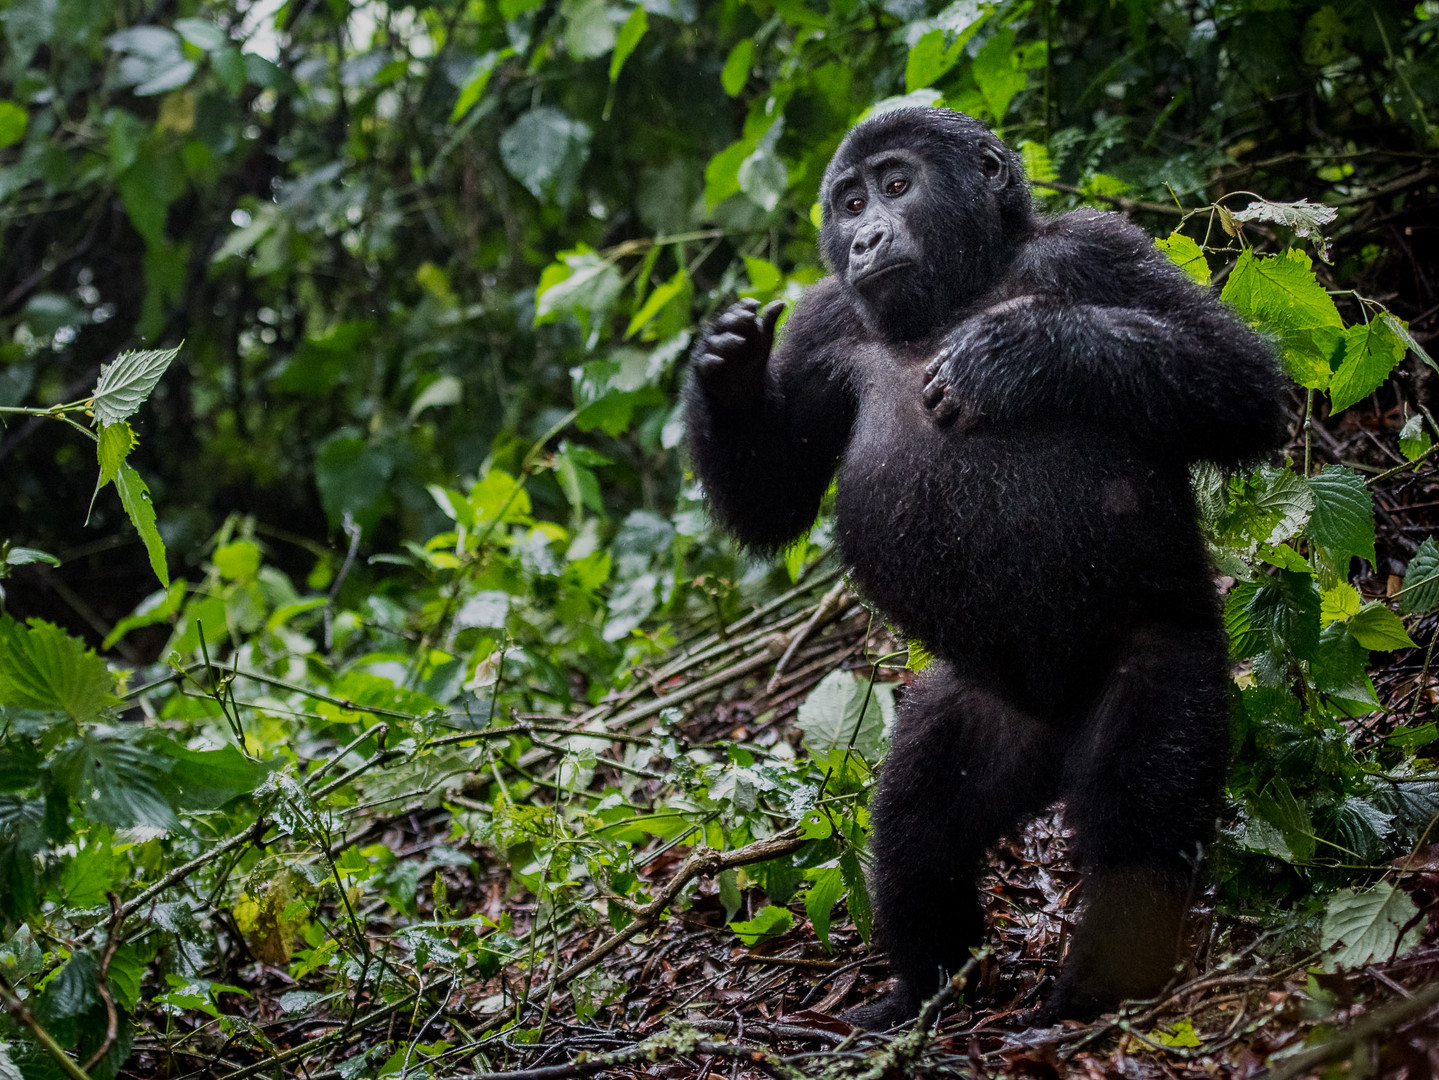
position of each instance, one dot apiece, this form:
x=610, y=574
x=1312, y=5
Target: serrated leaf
x=1343, y=515
x=1376, y=627
x=1363, y=927
x=117, y=782
x=112, y=447
x=1340, y=602
x=1304, y=217
x=1420, y=594
x=42, y=667
x=1371, y=350
x=629, y=37
x=1280, y=294
x=1187, y=255
x=1361, y=827
x=735, y=72
x=135, y=497
x=125, y=384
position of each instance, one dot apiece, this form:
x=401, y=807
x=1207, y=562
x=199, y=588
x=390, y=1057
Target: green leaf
x=1400, y=329
x=446, y=390
x=589, y=29
x=42, y=667
x=998, y=77
x=125, y=384
x=479, y=79
x=135, y=497
x=769, y=922
x=23, y=556
x=92, y=873
x=545, y=150
x=1420, y=594
x=1363, y=927
x=722, y=172
x=1280, y=294
x=112, y=447
x=581, y=283
x=763, y=177
x=1184, y=1035
x=1414, y=438
x=1339, y=603
x=826, y=887
x=656, y=301
x=735, y=72
x=1343, y=516
x=239, y=560
x=929, y=60
x=116, y=782
x=1277, y=805
x=13, y=122
x=1376, y=627
x=843, y=711
x=1187, y=254
x=1371, y=350
x=1359, y=826
x=1038, y=165
x=630, y=34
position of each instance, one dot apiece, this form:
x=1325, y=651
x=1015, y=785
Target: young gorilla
x=1013, y=404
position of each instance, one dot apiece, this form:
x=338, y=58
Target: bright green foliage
x=1280, y=294
x=1363, y=927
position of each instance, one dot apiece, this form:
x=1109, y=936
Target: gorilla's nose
x=869, y=240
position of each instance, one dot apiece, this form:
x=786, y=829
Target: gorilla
x=1012, y=403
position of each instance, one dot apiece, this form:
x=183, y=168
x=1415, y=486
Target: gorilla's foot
x=893, y=1009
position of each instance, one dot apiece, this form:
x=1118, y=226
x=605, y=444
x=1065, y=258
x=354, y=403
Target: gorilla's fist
x=730, y=358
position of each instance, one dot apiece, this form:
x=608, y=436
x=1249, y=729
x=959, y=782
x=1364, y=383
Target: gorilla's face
x=916, y=211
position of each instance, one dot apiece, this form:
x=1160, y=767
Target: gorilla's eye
x=854, y=204
x=898, y=186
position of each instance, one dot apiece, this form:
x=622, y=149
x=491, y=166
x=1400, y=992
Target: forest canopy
x=377, y=697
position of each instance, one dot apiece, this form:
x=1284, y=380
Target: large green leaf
x=1420, y=594
x=1343, y=517
x=42, y=667
x=545, y=150
x=125, y=384
x=1370, y=352
x=1280, y=294
x=115, y=781
x=843, y=711
x=1363, y=927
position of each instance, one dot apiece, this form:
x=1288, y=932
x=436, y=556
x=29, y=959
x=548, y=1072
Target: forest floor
x=683, y=999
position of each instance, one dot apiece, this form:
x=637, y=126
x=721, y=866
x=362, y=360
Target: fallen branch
x=677, y=1042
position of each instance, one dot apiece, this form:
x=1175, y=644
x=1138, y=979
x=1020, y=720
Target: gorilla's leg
x=964, y=767
x=1141, y=789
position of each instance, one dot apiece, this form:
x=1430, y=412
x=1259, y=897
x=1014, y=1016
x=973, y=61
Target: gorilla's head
x=923, y=210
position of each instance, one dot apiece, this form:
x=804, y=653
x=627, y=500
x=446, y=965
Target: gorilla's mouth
x=881, y=270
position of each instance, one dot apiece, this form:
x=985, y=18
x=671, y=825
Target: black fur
x=1012, y=403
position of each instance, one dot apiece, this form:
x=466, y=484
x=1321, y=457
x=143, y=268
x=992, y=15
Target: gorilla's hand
x=972, y=358
x=731, y=357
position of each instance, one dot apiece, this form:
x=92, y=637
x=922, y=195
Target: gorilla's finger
x=946, y=409
x=769, y=317
x=934, y=391
x=726, y=343
x=736, y=318
x=931, y=369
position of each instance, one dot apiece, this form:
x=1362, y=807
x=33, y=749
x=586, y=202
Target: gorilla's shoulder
x=1105, y=231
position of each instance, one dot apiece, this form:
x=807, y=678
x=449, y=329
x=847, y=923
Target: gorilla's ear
x=994, y=167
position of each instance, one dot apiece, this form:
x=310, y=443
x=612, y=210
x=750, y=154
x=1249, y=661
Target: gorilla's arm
x=1102, y=326
x=766, y=431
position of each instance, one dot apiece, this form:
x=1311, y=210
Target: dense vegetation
x=413, y=494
